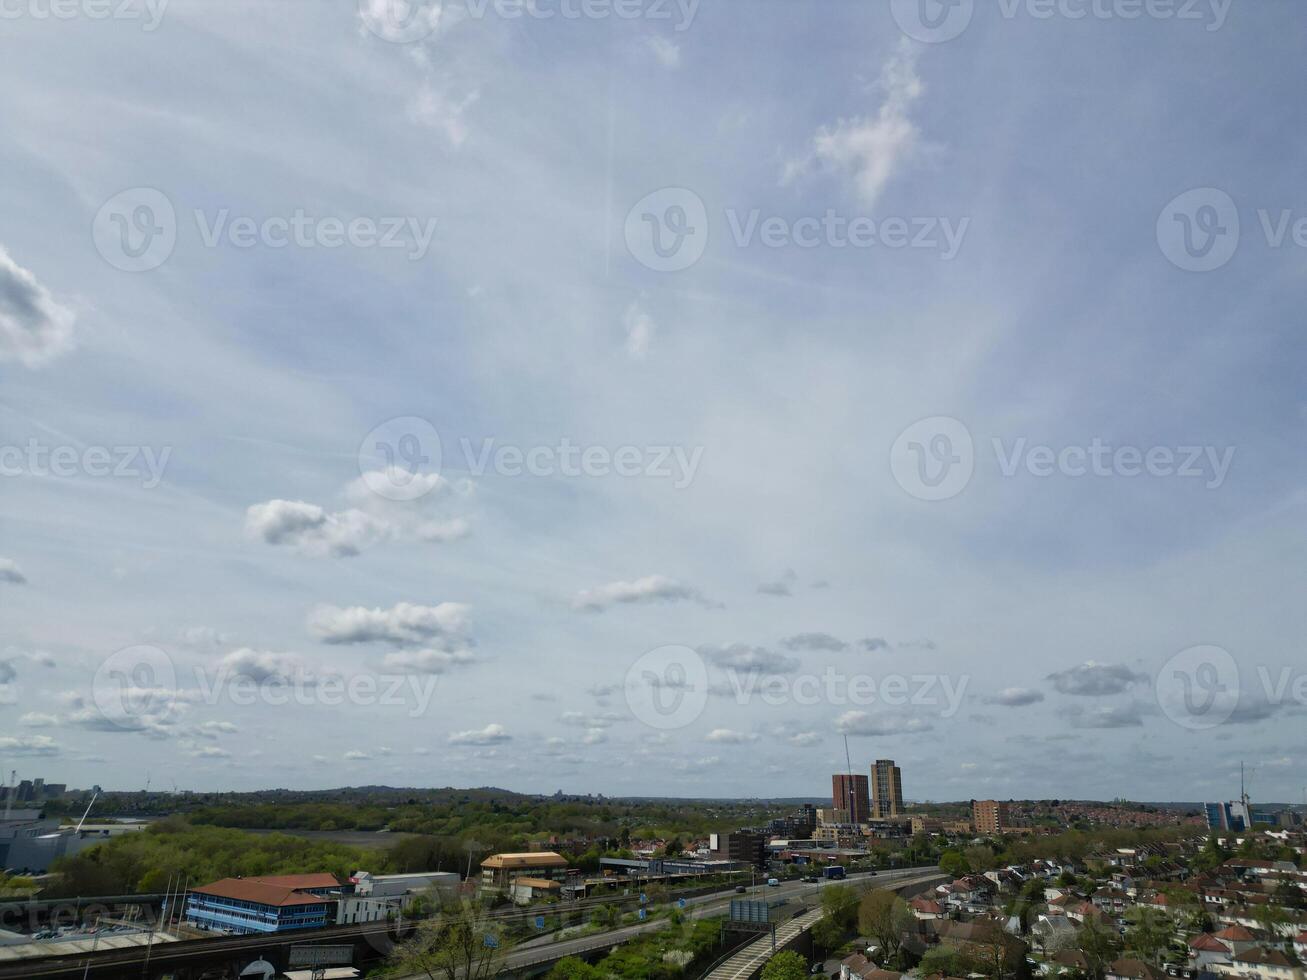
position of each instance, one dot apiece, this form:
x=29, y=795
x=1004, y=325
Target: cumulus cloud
x=492, y=734
x=874, y=644
x=264, y=667
x=371, y=518
x=1092, y=679
x=601, y=719
x=728, y=736
x=870, y=151
x=1015, y=697
x=34, y=328
x=804, y=740
x=444, y=626
x=742, y=658
x=37, y=719
x=865, y=723
x=29, y=745
x=11, y=573
x=651, y=588
x=203, y=637
x=354, y=755
x=814, y=641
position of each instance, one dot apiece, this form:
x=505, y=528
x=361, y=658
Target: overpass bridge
x=748, y=962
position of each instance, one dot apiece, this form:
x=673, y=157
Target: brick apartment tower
x=849, y=793
x=990, y=816
x=886, y=789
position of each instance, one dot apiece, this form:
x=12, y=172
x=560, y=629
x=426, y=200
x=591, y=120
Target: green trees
x=953, y=863
x=788, y=965
x=885, y=917
x=1100, y=945
x=1148, y=935
x=462, y=943
x=145, y=861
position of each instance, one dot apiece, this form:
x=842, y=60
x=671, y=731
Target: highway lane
x=546, y=949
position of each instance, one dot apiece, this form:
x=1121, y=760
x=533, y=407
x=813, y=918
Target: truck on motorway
x=835, y=872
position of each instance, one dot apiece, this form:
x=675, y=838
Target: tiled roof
x=1206, y=942
x=1236, y=933
x=259, y=892
x=299, y=881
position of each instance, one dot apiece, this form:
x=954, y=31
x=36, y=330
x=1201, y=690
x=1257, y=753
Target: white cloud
x=651, y=588
x=405, y=624
x=1015, y=697
x=667, y=52
x=11, y=573
x=742, y=658
x=728, y=736
x=804, y=740
x=315, y=531
x=37, y=719
x=492, y=734
x=864, y=723
x=441, y=111
x=640, y=329
x=263, y=667
x=870, y=151
x=354, y=755
x=29, y=745
x=426, y=661
x=1091, y=679
x=33, y=327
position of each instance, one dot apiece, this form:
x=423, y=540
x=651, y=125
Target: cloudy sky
x=639, y=396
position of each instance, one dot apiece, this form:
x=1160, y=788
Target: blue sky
x=1022, y=280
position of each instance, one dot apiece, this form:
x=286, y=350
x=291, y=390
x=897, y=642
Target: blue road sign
x=681, y=902
x=491, y=941
x=540, y=921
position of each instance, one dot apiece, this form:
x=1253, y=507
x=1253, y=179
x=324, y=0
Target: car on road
x=773, y=883
x=740, y=889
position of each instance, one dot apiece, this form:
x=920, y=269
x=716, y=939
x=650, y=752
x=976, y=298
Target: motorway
x=748, y=961
x=541, y=951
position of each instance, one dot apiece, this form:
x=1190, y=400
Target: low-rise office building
x=278, y=903
x=499, y=870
